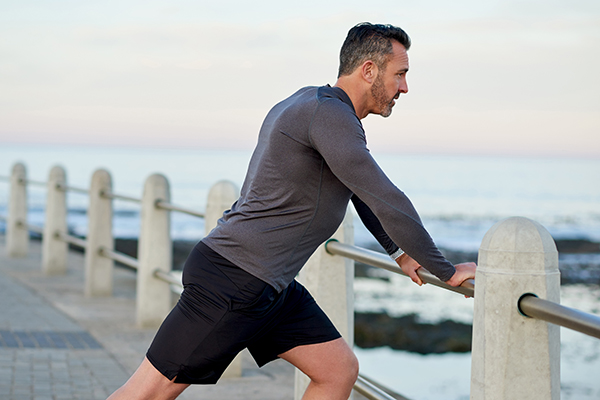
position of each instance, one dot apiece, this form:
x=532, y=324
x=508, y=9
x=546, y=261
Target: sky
x=486, y=77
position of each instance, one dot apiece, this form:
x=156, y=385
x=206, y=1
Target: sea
x=458, y=197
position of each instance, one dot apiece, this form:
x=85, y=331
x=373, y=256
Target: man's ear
x=369, y=71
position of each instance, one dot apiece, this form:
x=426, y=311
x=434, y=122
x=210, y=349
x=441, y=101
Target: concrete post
x=98, y=269
x=220, y=198
x=154, y=252
x=17, y=235
x=54, y=250
x=330, y=280
x=515, y=357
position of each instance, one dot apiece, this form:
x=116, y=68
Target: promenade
x=56, y=344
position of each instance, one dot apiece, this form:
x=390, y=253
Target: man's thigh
x=323, y=362
x=299, y=321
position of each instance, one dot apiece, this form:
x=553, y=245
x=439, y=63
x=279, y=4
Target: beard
x=383, y=102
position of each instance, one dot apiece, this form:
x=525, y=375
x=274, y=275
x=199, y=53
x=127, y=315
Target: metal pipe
x=111, y=195
x=168, y=206
x=370, y=391
x=124, y=259
x=66, y=188
x=380, y=260
x=71, y=239
x=32, y=182
x=532, y=306
x=167, y=277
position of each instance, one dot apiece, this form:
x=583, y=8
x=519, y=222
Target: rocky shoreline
x=406, y=333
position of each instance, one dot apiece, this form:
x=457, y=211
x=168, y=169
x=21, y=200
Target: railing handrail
x=32, y=228
x=168, y=206
x=549, y=311
x=111, y=195
x=168, y=277
x=32, y=182
x=74, y=240
x=382, y=261
x=529, y=305
x=123, y=258
x=371, y=391
x=67, y=188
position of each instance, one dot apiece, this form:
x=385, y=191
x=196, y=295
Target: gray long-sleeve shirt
x=310, y=158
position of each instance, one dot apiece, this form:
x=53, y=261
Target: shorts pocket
x=250, y=302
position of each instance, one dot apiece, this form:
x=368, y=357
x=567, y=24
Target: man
x=310, y=160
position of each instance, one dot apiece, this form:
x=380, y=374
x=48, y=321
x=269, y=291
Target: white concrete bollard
x=330, y=279
x=54, y=250
x=17, y=235
x=220, y=198
x=515, y=357
x=99, y=269
x=153, y=301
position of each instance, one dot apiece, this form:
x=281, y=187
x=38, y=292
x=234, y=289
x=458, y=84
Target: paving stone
x=57, y=344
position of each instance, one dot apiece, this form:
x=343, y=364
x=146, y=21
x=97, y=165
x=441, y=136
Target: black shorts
x=223, y=310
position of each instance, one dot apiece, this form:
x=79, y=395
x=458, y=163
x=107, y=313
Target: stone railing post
x=54, y=250
x=330, y=280
x=220, y=198
x=17, y=235
x=513, y=356
x=153, y=301
x=98, y=269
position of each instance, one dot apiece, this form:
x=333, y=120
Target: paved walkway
x=57, y=344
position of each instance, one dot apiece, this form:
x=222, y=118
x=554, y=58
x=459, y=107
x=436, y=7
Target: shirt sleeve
x=337, y=134
x=374, y=226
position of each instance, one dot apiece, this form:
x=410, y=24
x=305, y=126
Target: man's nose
x=403, y=87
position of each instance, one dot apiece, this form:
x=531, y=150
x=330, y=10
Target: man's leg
x=148, y=384
x=331, y=366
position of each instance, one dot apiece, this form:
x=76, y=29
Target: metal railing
x=171, y=207
x=111, y=195
x=81, y=243
x=532, y=306
x=122, y=258
x=383, y=261
x=372, y=391
x=529, y=304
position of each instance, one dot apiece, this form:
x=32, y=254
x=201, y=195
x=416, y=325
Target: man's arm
x=374, y=226
x=340, y=141
x=408, y=265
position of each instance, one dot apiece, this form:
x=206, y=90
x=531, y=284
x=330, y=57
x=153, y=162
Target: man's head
x=373, y=67
x=372, y=42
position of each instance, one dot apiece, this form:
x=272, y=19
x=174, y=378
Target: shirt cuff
x=394, y=256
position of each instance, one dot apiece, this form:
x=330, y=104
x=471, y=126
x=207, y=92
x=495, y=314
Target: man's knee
x=344, y=371
x=351, y=368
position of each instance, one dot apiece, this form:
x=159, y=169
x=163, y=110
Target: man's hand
x=409, y=266
x=463, y=272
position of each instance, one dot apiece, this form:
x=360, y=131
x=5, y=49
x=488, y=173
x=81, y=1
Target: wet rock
x=408, y=334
